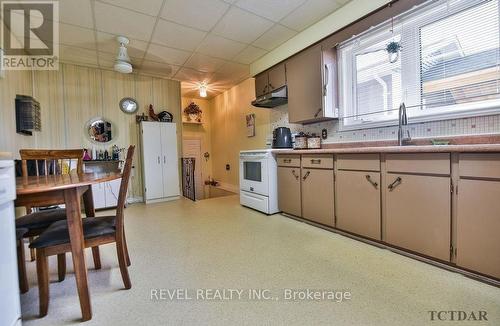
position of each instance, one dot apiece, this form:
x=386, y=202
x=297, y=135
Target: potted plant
x=193, y=111
x=393, y=49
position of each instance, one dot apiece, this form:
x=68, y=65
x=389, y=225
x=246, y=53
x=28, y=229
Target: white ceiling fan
x=122, y=63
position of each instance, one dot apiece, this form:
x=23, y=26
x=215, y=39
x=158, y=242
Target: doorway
x=191, y=148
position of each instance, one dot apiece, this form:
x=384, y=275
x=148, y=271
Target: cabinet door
x=478, y=242
x=305, y=83
x=317, y=196
x=98, y=195
x=289, y=190
x=112, y=190
x=261, y=84
x=358, y=203
x=277, y=77
x=151, y=156
x=169, y=161
x=418, y=214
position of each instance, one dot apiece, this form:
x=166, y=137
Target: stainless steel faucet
x=403, y=121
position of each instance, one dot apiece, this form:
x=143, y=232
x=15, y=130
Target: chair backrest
x=122, y=196
x=51, y=161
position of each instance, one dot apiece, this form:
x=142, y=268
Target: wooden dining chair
x=21, y=266
x=42, y=162
x=97, y=231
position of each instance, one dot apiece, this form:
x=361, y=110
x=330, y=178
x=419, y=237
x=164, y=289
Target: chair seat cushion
x=41, y=219
x=57, y=233
x=20, y=232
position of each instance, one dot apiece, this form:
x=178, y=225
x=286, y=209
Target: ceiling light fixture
x=122, y=63
x=203, y=89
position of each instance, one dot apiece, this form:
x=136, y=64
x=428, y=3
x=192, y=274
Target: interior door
x=418, y=214
x=358, y=203
x=317, y=196
x=478, y=242
x=151, y=148
x=169, y=161
x=192, y=148
x=289, y=190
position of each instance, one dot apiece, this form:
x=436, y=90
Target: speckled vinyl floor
x=199, y=248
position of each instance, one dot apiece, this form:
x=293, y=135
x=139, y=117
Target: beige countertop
x=398, y=149
x=6, y=156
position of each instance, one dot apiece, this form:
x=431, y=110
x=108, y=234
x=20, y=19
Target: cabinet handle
x=317, y=113
x=369, y=178
x=271, y=86
x=295, y=175
x=287, y=160
x=313, y=161
x=158, y=160
x=164, y=159
x=265, y=89
x=393, y=185
x=306, y=175
x=327, y=73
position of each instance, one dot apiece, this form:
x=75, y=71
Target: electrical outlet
x=228, y=167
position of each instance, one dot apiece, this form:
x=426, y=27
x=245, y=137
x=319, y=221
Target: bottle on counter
x=94, y=153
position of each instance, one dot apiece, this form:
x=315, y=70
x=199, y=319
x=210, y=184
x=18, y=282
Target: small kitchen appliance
x=282, y=138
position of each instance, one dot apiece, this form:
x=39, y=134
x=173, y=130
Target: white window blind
x=448, y=66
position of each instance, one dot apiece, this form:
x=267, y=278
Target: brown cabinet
x=418, y=214
x=358, y=203
x=478, y=226
x=270, y=80
x=310, y=80
x=289, y=190
x=318, y=195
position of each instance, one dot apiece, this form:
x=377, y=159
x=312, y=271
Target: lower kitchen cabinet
x=358, y=203
x=289, y=190
x=318, y=195
x=478, y=225
x=418, y=214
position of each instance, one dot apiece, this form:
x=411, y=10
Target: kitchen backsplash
x=455, y=127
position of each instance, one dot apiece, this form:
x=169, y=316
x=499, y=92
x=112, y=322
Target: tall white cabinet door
x=98, y=194
x=170, y=159
x=152, y=160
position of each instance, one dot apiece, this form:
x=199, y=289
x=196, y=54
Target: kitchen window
x=447, y=67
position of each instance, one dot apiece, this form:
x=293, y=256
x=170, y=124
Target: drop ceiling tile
x=158, y=69
x=309, y=13
x=220, y=47
x=177, y=36
x=242, y=26
x=194, y=13
x=274, y=37
x=270, y=9
x=249, y=55
x=76, y=36
x=192, y=75
x=76, y=55
x=204, y=63
x=114, y=20
x=163, y=54
x=149, y=7
x=107, y=43
x=76, y=12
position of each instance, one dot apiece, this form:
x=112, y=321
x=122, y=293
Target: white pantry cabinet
x=160, y=166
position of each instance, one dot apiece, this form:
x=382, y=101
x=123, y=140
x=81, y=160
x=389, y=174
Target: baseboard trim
x=229, y=187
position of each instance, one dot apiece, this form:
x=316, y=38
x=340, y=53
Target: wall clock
x=128, y=105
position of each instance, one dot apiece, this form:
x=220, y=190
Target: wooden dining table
x=38, y=191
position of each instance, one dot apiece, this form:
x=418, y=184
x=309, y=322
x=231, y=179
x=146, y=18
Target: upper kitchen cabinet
x=270, y=80
x=311, y=79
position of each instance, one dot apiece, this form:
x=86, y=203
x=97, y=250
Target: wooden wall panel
x=75, y=94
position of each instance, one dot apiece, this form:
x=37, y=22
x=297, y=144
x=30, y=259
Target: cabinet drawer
x=358, y=162
x=425, y=163
x=317, y=161
x=255, y=201
x=289, y=160
x=480, y=165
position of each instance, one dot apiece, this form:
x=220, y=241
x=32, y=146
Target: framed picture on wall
x=251, y=125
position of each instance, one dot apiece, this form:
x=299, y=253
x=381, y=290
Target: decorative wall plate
x=128, y=105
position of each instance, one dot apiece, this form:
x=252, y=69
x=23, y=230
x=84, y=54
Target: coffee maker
x=282, y=138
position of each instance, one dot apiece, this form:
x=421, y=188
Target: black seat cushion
x=20, y=232
x=57, y=233
x=41, y=219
